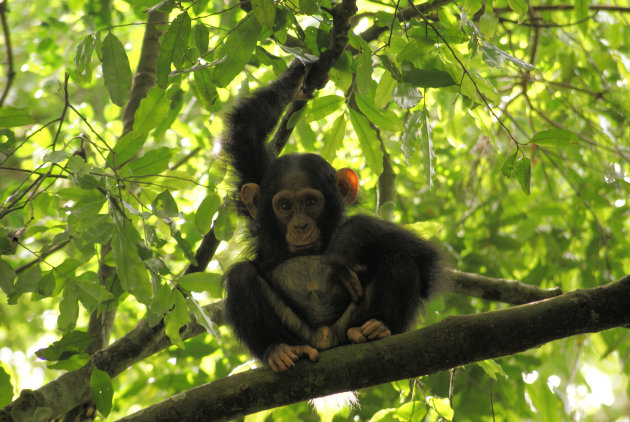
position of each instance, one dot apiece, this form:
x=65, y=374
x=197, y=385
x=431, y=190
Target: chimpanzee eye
x=285, y=205
x=310, y=201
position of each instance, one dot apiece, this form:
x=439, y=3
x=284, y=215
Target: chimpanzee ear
x=348, y=185
x=250, y=195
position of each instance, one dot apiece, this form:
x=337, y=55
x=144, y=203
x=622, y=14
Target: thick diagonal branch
x=453, y=342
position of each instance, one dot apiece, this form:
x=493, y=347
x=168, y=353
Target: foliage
x=504, y=122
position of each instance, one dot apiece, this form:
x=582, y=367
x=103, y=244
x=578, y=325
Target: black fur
x=402, y=269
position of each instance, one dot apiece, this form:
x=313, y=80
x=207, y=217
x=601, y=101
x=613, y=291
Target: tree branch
x=318, y=74
x=455, y=341
x=7, y=42
x=72, y=388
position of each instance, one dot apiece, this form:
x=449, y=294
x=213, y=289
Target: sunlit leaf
x=152, y=110
x=199, y=282
x=334, y=140
x=173, y=47
x=523, y=174
x=102, y=391
x=12, y=117
x=208, y=207
x=116, y=70
x=238, y=48
x=370, y=145
x=265, y=11
x=176, y=318
x=555, y=138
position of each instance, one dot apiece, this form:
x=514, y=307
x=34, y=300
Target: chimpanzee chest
x=305, y=284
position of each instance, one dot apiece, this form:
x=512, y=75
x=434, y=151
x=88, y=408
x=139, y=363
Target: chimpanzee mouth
x=306, y=247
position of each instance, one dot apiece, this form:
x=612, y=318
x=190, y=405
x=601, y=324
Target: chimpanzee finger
x=352, y=285
x=374, y=329
x=350, y=288
x=355, y=335
x=312, y=353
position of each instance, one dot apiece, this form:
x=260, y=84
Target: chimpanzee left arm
x=400, y=268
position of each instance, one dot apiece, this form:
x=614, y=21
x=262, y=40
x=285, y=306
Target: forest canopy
x=497, y=128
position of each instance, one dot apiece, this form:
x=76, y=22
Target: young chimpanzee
x=318, y=278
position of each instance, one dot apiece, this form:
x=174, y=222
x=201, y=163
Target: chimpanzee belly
x=304, y=283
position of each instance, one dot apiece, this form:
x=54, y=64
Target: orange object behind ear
x=348, y=184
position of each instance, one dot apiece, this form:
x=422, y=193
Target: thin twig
x=7, y=41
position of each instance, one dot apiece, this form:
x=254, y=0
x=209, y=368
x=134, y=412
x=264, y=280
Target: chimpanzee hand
x=283, y=356
x=371, y=330
x=347, y=275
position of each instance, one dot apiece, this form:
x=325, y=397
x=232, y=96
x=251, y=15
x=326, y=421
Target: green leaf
x=427, y=78
x=56, y=157
x=162, y=303
x=199, y=282
x=238, y=48
x=173, y=48
x=384, y=120
x=428, y=157
x=205, y=89
x=201, y=316
x=488, y=25
x=581, y=11
x=509, y=166
x=411, y=411
x=7, y=275
x=29, y=280
x=116, y=70
x=12, y=117
x=177, y=318
x=406, y=95
x=91, y=293
x=164, y=205
x=153, y=162
x=442, y=407
x=102, y=391
x=152, y=110
x=322, y=106
x=205, y=212
x=265, y=12
x=555, y=138
x=491, y=368
x=519, y=7
x=126, y=147
x=83, y=59
x=334, y=139
x=308, y=7
x=472, y=6
x=523, y=174
x=370, y=144
x=411, y=136
x=6, y=392
x=201, y=36
x=70, y=344
x=183, y=244
x=132, y=272
x=225, y=223
x=384, y=90
x=68, y=309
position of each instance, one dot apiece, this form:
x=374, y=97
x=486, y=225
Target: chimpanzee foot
x=283, y=356
x=371, y=330
x=355, y=335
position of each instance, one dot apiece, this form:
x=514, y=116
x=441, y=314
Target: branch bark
x=70, y=389
x=455, y=341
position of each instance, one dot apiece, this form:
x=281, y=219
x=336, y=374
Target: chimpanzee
x=317, y=278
